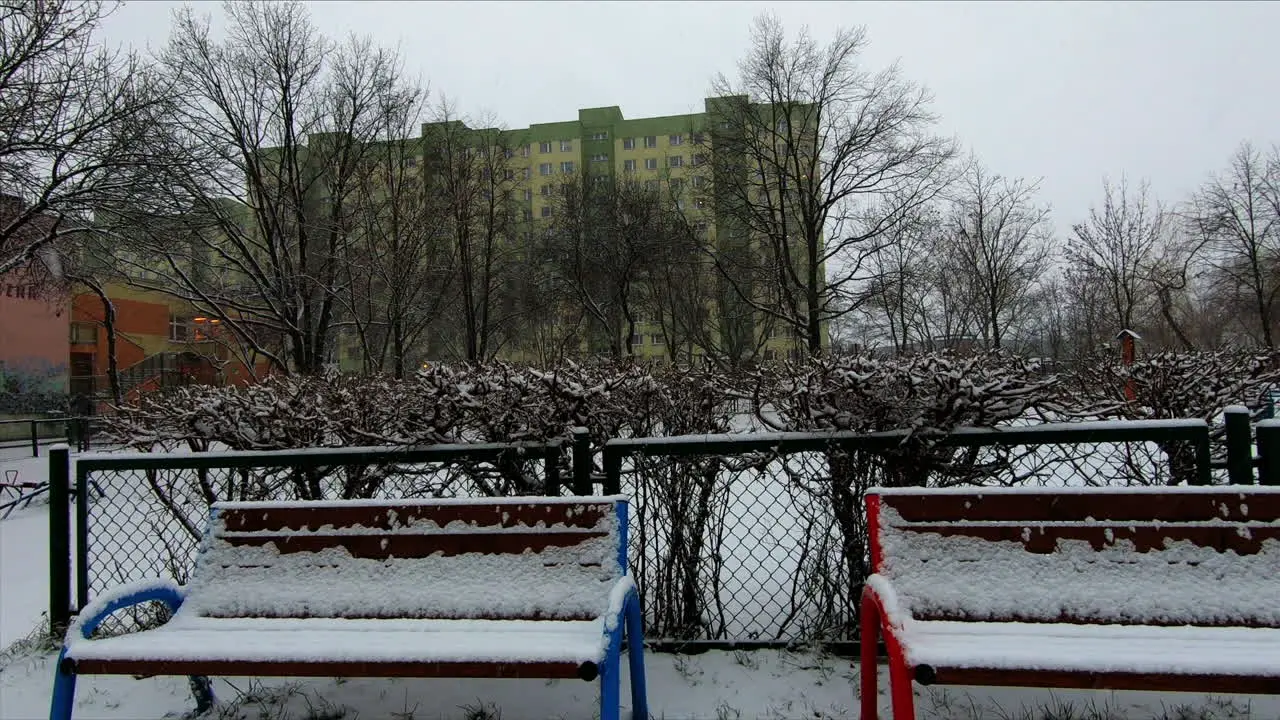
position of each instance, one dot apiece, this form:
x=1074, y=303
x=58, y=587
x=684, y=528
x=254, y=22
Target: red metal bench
x=519, y=587
x=1163, y=589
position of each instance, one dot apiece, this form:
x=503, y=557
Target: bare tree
x=1235, y=216
x=400, y=264
x=902, y=280
x=252, y=216
x=470, y=171
x=609, y=241
x=1000, y=245
x=1119, y=245
x=816, y=160
x=71, y=121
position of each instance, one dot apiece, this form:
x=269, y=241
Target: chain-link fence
x=745, y=538
x=144, y=514
x=762, y=537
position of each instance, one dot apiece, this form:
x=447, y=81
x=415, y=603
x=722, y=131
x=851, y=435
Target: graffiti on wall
x=35, y=385
x=34, y=343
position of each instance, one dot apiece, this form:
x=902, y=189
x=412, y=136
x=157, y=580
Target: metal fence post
x=551, y=462
x=1239, y=446
x=612, y=471
x=581, y=461
x=1269, y=452
x=82, y=536
x=35, y=440
x=59, y=539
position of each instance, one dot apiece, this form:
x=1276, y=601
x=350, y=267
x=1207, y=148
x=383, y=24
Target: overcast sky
x=1067, y=92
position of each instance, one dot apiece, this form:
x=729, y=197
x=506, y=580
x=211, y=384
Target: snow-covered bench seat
x=1173, y=589
x=517, y=587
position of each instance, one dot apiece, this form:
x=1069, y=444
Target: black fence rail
x=737, y=540
x=30, y=432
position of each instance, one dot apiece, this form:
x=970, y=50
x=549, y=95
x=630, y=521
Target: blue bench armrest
x=93, y=614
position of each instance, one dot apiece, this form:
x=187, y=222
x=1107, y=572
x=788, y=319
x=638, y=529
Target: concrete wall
x=34, y=342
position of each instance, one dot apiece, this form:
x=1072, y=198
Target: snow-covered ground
x=713, y=686
x=24, y=557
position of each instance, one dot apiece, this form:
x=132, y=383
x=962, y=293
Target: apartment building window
x=544, y=169
x=675, y=161
x=566, y=167
x=676, y=139
x=528, y=195
x=526, y=173
x=600, y=179
x=657, y=339
x=546, y=211
x=637, y=340
x=599, y=157
x=411, y=161
x=650, y=185
x=770, y=355
x=651, y=163
x=701, y=229
x=699, y=181
x=651, y=141
x=528, y=214
x=700, y=203
x=628, y=143
x=600, y=136
x=179, y=328
x=485, y=173
x=84, y=333
x=628, y=165
x=544, y=147
x=545, y=190
x=566, y=146
x=508, y=174
x=697, y=138
x=698, y=159
x=524, y=151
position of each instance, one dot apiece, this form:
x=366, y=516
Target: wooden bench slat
x=1063, y=679
x=1244, y=539
x=1077, y=506
x=381, y=547
x=585, y=515
x=547, y=670
x=286, y=614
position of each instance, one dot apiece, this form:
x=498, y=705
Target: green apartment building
x=602, y=143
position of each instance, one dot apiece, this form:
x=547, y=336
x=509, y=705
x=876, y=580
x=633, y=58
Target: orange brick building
x=160, y=341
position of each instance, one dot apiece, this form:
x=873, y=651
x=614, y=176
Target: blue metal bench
x=519, y=587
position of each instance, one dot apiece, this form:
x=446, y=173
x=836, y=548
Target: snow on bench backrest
x=533, y=558
x=1167, y=556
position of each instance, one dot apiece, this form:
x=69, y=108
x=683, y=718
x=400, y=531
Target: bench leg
x=900, y=688
x=610, y=689
x=868, y=670
x=635, y=657
x=64, y=690
x=202, y=689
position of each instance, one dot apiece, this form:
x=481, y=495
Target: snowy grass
x=716, y=685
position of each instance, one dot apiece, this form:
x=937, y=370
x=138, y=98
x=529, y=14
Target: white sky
x=1067, y=92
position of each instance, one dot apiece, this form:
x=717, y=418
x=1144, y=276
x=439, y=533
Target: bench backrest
x=1166, y=556
x=513, y=558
